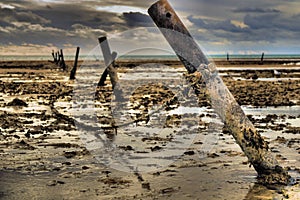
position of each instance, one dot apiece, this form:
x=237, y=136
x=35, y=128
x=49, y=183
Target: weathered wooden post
x=73, y=71
x=262, y=58
x=57, y=56
x=109, y=60
x=240, y=127
x=62, y=63
x=53, y=55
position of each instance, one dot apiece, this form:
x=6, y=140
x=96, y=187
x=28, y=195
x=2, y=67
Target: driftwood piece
x=74, y=69
x=235, y=120
x=109, y=60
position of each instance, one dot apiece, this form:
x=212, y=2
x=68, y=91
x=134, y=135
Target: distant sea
x=158, y=57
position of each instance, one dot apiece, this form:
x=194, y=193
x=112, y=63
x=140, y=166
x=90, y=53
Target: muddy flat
x=62, y=139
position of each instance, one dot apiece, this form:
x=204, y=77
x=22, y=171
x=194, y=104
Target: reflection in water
x=259, y=192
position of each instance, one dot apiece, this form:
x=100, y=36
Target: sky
x=35, y=27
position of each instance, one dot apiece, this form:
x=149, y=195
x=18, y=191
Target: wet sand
x=42, y=155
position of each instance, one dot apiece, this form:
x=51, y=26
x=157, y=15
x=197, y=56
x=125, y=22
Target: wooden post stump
x=235, y=120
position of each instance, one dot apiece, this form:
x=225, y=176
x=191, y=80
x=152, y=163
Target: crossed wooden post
x=240, y=127
x=109, y=60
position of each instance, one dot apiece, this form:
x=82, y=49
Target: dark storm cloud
x=255, y=10
x=246, y=21
x=273, y=21
x=225, y=25
x=249, y=36
x=221, y=7
x=27, y=33
x=266, y=27
x=136, y=3
x=63, y=16
x=262, y=21
x=13, y=15
x=81, y=21
x=134, y=19
x=63, y=23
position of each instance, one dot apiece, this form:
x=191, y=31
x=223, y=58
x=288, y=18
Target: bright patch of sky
x=50, y=1
x=121, y=9
x=6, y=6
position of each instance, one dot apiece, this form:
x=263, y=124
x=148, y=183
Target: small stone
x=66, y=163
x=17, y=102
x=254, y=77
x=167, y=190
x=35, y=132
x=52, y=183
x=22, y=142
x=189, y=153
x=60, y=182
x=16, y=136
x=213, y=155
x=27, y=135
x=146, y=186
x=156, y=148
x=85, y=167
x=56, y=169
x=70, y=154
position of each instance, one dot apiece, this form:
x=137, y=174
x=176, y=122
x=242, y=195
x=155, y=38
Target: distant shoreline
x=221, y=58
x=222, y=64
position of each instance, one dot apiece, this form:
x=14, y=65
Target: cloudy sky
x=220, y=26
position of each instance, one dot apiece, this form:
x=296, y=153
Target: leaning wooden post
x=73, y=71
x=62, y=63
x=109, y=59
x=240, y=127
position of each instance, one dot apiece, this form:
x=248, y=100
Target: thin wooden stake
x=57, y=56
x=62, y=63
x=53, y=55
x=73, y=71
x=262, y=58
x=235, y=120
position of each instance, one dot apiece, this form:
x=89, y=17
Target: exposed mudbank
x=42, y=154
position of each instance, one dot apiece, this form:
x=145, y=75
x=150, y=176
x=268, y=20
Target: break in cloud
x=220, y=26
